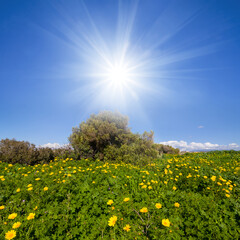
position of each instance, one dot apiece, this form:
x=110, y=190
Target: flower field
x=190, y=196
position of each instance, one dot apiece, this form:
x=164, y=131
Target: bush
x=65, y=152
x=22, y=152
x=166, y=149
x=98, y=132
x=107, y=136
x=135, y=153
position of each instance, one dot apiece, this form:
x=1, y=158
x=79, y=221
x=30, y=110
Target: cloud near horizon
x=53, y=145
x=182, y=145
x=194, y=146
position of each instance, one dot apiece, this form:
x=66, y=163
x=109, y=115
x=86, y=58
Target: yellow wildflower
x=126, y=199
x=213, y=178
x=31, y=216
x=110, y=202
x=174, y=188
x=2, y=207
x=127, y=228
x=45, y=189
x=10, y=234
x=144, y=210
x=16, y=225
x=176, y=204
x=18, y=190
x=12, y=216
x=112, y=221
x=158, y=205
x=166, y=222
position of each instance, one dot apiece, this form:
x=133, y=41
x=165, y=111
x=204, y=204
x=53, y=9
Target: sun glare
x=118, y=74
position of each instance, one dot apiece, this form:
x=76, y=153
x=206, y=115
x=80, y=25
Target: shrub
x=135, y=153
x=12, y=151
x=65, y=152
x=107, y=136
x=43, y=155
x=166, y=149
x=98, y=132
x=22, y=152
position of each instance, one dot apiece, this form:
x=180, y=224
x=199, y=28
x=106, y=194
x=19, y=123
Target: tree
x=98, y=132
x=108, y=137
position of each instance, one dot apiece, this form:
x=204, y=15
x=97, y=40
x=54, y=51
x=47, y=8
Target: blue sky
x=181, y=59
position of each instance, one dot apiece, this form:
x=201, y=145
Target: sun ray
x=119, y=69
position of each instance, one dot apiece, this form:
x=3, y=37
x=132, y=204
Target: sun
x=118, y=74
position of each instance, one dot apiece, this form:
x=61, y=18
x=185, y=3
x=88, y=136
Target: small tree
x=107, y=136
x=98, y=132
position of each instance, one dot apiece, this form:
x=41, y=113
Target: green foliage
x=107, y=136
x=103, y=136
x=13, y=151
x=75, y=204
x=98, y=132
x=65, y=152
x=139, y=152
x=167, y=149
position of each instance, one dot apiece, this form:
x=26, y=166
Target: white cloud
x=182, y=145
x=53, y=145
x=200, y=126
x=194, y=146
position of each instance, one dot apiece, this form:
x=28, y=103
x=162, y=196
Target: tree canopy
x=107, y=136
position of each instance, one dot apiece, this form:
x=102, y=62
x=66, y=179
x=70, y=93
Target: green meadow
x=189, y=196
